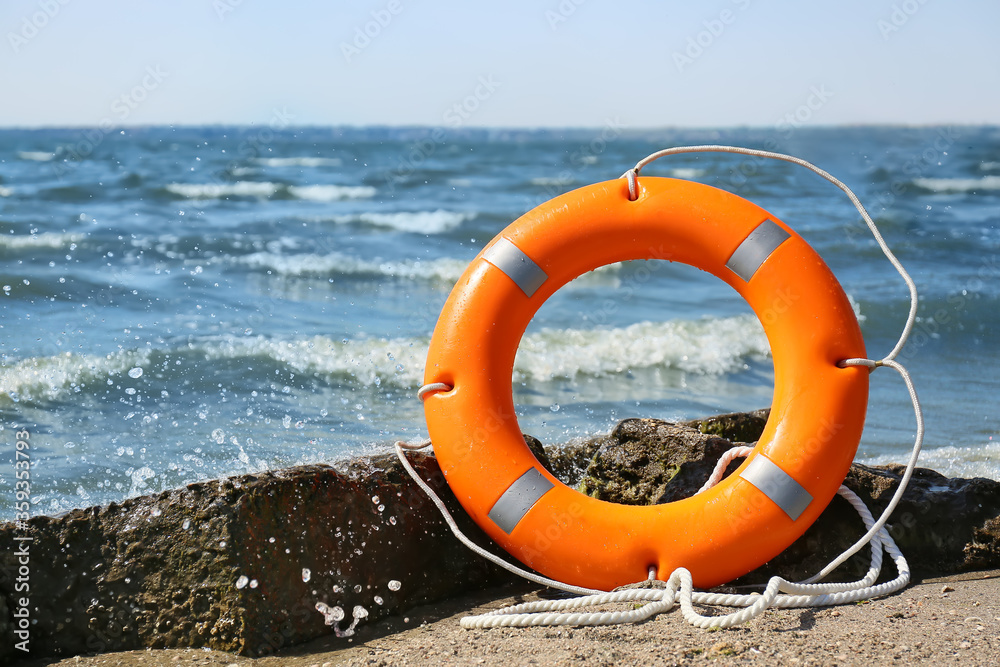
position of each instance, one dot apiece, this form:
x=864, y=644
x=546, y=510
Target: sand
x=948, y=621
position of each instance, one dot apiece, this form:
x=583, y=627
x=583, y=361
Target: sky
x=550, y=63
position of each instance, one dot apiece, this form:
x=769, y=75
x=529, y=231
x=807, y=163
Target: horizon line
x=506, y=128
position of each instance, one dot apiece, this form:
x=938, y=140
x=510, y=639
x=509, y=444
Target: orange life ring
x=818, y=408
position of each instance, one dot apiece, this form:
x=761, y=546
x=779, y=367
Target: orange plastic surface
x=817, y=415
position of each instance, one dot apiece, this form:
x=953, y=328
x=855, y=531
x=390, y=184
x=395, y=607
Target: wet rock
x=948, y=524
x=735, y=426
x=536, y=447
x=648, y=461
x=258, y=562
x=240, y=564
x=943, y=526
x=569, y=462
x=7, y=650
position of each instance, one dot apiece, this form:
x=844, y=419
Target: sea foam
x=43, y=240
x=222, y=190
x=709, y=346
x=976, y=461
x=958, y=184
x=686, y=172
x=47, y=378
x=265, y=189
x=303, y=161
x=423, y=222
x=337, y=264
x=35, y=156
x=331, y=192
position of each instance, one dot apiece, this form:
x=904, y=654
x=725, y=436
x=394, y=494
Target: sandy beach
x=947, y=621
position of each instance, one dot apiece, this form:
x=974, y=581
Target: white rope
x=679, y=586
x=450, y=520
x=779, y=592
x=871, y=364
x=911, y=317
x=720, y=467
x=907, y=473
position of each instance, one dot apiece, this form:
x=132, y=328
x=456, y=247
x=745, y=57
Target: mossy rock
x=650, y=461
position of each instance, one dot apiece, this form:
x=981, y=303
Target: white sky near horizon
x=511, y=64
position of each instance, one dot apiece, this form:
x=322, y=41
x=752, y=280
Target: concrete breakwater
x=256, y=563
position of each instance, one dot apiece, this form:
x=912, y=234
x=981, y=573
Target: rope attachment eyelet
x=431, y=388
x=870, y=364
x=632, y=176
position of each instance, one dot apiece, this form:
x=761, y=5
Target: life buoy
x=811, y=437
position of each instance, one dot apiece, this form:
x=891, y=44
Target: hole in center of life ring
x=638, y=339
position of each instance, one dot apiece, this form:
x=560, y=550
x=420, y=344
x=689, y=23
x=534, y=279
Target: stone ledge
x=220, y=564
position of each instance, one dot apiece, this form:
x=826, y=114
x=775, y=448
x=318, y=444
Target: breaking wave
x=43, y=240
x=266, y=189
x=958, y=184
x=334, y=264
x=710, y=346
x=303, y=161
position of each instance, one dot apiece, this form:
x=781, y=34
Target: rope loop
x=870, y=364
x=431, y=388
x=711, y=148
x=413, y=446
x=632, y=176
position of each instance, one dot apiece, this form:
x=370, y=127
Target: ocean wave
x=43, y=240
x=35, y=156
x=686, y=172
x=958, y=184
x=445, y=270
x=303, y=161
x=265, y=189
x=710, y=346
x=552, y=181
x=308, y=264
x=989, y=166
x=975, y=461
x=331, y=192
x=48, y=378
x=703, y=347
x=422, y=222
x=368, y=361
x=221, y=190
x=5, y=192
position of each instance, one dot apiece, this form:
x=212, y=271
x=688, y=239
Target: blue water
x=184, y=303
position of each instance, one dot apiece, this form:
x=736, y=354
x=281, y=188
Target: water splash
x=334, y=615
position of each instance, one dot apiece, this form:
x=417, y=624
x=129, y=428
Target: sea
x=187, y=303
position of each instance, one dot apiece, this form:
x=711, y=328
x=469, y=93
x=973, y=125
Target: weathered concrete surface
x=223, y=564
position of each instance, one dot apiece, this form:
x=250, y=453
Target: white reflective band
x=777, y=485
x=756, y=248
x=519, y=497
x=519, y=267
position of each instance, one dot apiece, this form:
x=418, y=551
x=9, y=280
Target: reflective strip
x=756, y=248
x=519, y=497
x=519, y=267
x=777, y=485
